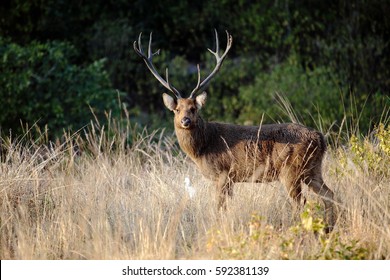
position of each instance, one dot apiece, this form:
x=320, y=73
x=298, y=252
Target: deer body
x=249, y=154
x=228, y=153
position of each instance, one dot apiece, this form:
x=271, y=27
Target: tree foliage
x=322, y=55
x=39, y=84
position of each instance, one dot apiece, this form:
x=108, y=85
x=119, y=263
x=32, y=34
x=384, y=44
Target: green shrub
x=40, y=84
x=372, y=154
x=225, y=103
x=310, y=92
x=305, y=240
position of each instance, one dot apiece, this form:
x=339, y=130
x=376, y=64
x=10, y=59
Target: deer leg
x=319, y=187
x=225, y=188
x=295, y=192
x=294, y=189
x=226, y=191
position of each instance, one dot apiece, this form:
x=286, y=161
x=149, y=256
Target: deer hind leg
x=320, y=188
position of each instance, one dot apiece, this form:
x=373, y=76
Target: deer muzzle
x=186, y=122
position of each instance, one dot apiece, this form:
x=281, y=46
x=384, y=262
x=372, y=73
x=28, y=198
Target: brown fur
x=227, y=153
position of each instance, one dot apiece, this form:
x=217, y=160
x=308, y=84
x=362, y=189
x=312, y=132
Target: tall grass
x=117, y=192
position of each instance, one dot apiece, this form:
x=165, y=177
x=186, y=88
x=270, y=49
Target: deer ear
x=169, y=102
x=201, y=100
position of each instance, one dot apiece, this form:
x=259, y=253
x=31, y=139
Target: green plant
x=310, y=92
x=307, y=240
x=334, y=248
x=373, y=154
x=40, y=84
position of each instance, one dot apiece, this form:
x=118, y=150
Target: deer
x=228, y=153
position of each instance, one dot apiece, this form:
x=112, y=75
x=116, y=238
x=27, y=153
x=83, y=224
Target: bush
x=225, y=103
x=370, y=154
x=309, y=92
x=305, y=240
x=39, y=83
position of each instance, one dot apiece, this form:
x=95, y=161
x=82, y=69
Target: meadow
x=117, y=192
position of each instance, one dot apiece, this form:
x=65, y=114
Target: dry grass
x=121, y=196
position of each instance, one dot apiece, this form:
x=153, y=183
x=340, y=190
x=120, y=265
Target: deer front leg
x=224, y=188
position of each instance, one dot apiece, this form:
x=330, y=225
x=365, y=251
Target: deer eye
x=192, y=110
x=177, y=110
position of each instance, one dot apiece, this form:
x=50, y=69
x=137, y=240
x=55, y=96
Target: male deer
x=228, y=153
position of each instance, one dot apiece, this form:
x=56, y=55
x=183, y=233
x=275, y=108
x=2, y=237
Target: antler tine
x=197, y=85
x=216, y=42
x=139, y=51
x=219, y=59
x=169, y=85
x=148, y=61
x=150, y=54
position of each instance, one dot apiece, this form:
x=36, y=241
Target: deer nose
x=185, y=122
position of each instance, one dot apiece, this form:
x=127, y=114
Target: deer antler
x=149, y=64
x=200, y=86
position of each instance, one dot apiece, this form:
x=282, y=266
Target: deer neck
x=192, y=141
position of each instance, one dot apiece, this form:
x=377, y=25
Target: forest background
x=63, y=63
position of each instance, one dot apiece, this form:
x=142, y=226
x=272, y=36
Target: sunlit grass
x=116, y=192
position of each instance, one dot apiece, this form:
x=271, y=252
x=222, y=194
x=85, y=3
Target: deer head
x=185, y=109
